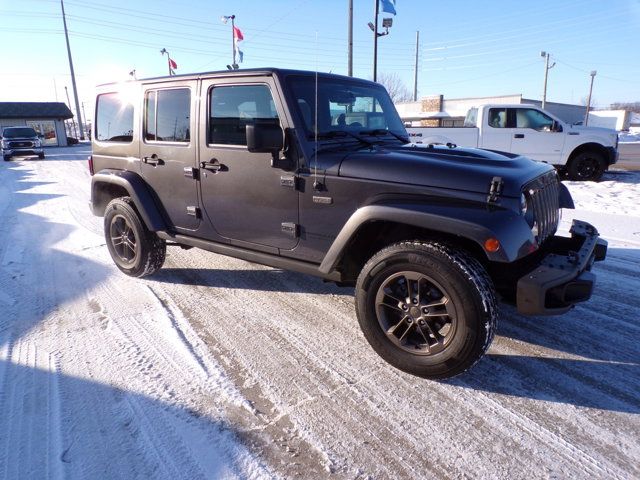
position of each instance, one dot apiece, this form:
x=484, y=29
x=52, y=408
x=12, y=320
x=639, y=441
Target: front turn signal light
x=492, y=245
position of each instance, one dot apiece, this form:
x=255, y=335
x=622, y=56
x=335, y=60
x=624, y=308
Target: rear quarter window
x=114, y=119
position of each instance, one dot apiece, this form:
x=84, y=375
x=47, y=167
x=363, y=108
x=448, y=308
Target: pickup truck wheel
x=426, y=308
x=134, y=249
x=586, y=166
x=6, y=158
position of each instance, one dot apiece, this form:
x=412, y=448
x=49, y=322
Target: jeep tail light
x=90, y=159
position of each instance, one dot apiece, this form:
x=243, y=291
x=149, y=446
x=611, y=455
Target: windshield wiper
x=382, y=131
x=342, y=133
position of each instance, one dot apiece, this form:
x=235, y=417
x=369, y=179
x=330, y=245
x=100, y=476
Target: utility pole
x=546, y=74
x=73, y=75
x=586, y=115
x=73, y=122
x=415, y=76
x=350, y=36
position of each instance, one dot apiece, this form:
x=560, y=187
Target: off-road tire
x=455, y=334
x=134, y=249
x=586, y=166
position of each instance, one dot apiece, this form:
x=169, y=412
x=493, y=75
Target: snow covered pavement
x=218, y=368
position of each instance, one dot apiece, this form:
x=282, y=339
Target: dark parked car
x=20, y=141
x=315, y=173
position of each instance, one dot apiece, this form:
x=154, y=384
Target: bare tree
x=630, y=106
x=398, y=91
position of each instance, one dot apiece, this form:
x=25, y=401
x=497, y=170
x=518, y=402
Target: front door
x=168, y=151
x=247, y=201
x=534, y=135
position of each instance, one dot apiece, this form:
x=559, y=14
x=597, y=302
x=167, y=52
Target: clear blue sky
x=467, y=48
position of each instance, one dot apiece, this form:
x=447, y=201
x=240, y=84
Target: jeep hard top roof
x=268, y=71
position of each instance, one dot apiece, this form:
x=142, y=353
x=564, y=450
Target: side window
x=232, y=108
x=167, y=115
x=497, y=117
x=114, y=119
x=535, y=119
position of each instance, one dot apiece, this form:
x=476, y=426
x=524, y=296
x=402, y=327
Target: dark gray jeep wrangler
x=314, y=173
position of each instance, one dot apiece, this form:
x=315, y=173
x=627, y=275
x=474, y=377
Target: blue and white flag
x=388, y=6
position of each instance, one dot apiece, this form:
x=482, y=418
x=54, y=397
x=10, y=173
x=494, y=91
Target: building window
x=168, y=115
x=114, y=119
x=46, y=131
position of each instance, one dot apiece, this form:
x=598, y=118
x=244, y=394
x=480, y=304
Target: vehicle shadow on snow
x=621, y=176
x=63, y=426
x=602, y=333
x=268, y=280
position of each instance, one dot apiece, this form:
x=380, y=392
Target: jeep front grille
x=543, y=197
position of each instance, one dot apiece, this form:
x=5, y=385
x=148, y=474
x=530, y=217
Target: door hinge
x=194, y=212
x=291, y=229
x=190, y=172
x=289, y=181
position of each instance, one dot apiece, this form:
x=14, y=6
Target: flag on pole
x=238, y=37
x=173, y=64
x=388, y=6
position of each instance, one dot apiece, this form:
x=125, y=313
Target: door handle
x=518, y=135
x=213, y=165
x=153, y=160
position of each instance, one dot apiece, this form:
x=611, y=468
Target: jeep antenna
x=316, y=184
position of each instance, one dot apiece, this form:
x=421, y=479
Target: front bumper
x=563, y=277
x=11, y=152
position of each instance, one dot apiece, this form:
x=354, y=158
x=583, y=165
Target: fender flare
x=474, y=222
x=136, y=188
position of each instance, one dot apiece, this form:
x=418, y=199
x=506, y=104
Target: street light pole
x=546, y=74
x=375, y=40
x=586, y=115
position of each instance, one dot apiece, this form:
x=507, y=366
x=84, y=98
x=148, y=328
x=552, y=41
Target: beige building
x=437, y=111
x=46, y=118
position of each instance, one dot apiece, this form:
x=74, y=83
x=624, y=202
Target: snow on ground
x=218, y=368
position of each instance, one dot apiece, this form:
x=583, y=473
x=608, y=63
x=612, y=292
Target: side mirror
x=264, y=138
x=556, y=127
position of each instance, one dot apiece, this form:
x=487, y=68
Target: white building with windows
x=46, y=118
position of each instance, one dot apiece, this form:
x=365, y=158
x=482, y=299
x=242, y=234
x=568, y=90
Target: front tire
x=6, y=158
x=426, y=308
x=135, y=250
x=586, y=166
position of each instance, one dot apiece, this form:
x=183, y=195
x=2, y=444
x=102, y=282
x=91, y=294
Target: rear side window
x=498, y=117
x=232, y=108
x=114, y=118
x=168, y=115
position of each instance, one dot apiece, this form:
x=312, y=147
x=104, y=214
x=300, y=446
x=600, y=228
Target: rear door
x=168, y=151
x=494, y=132
x=247, y=201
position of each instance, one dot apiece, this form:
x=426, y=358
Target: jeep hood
x=468, y=169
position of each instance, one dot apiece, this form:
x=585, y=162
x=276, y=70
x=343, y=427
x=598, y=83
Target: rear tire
x=41, y=156
x=426, y=308
x=586, y=166
x=135, y=250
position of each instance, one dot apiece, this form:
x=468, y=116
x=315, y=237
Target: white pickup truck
x=580, y=153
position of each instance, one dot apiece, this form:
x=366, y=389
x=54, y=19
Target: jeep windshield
x=25, y=132
x=347, y=109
